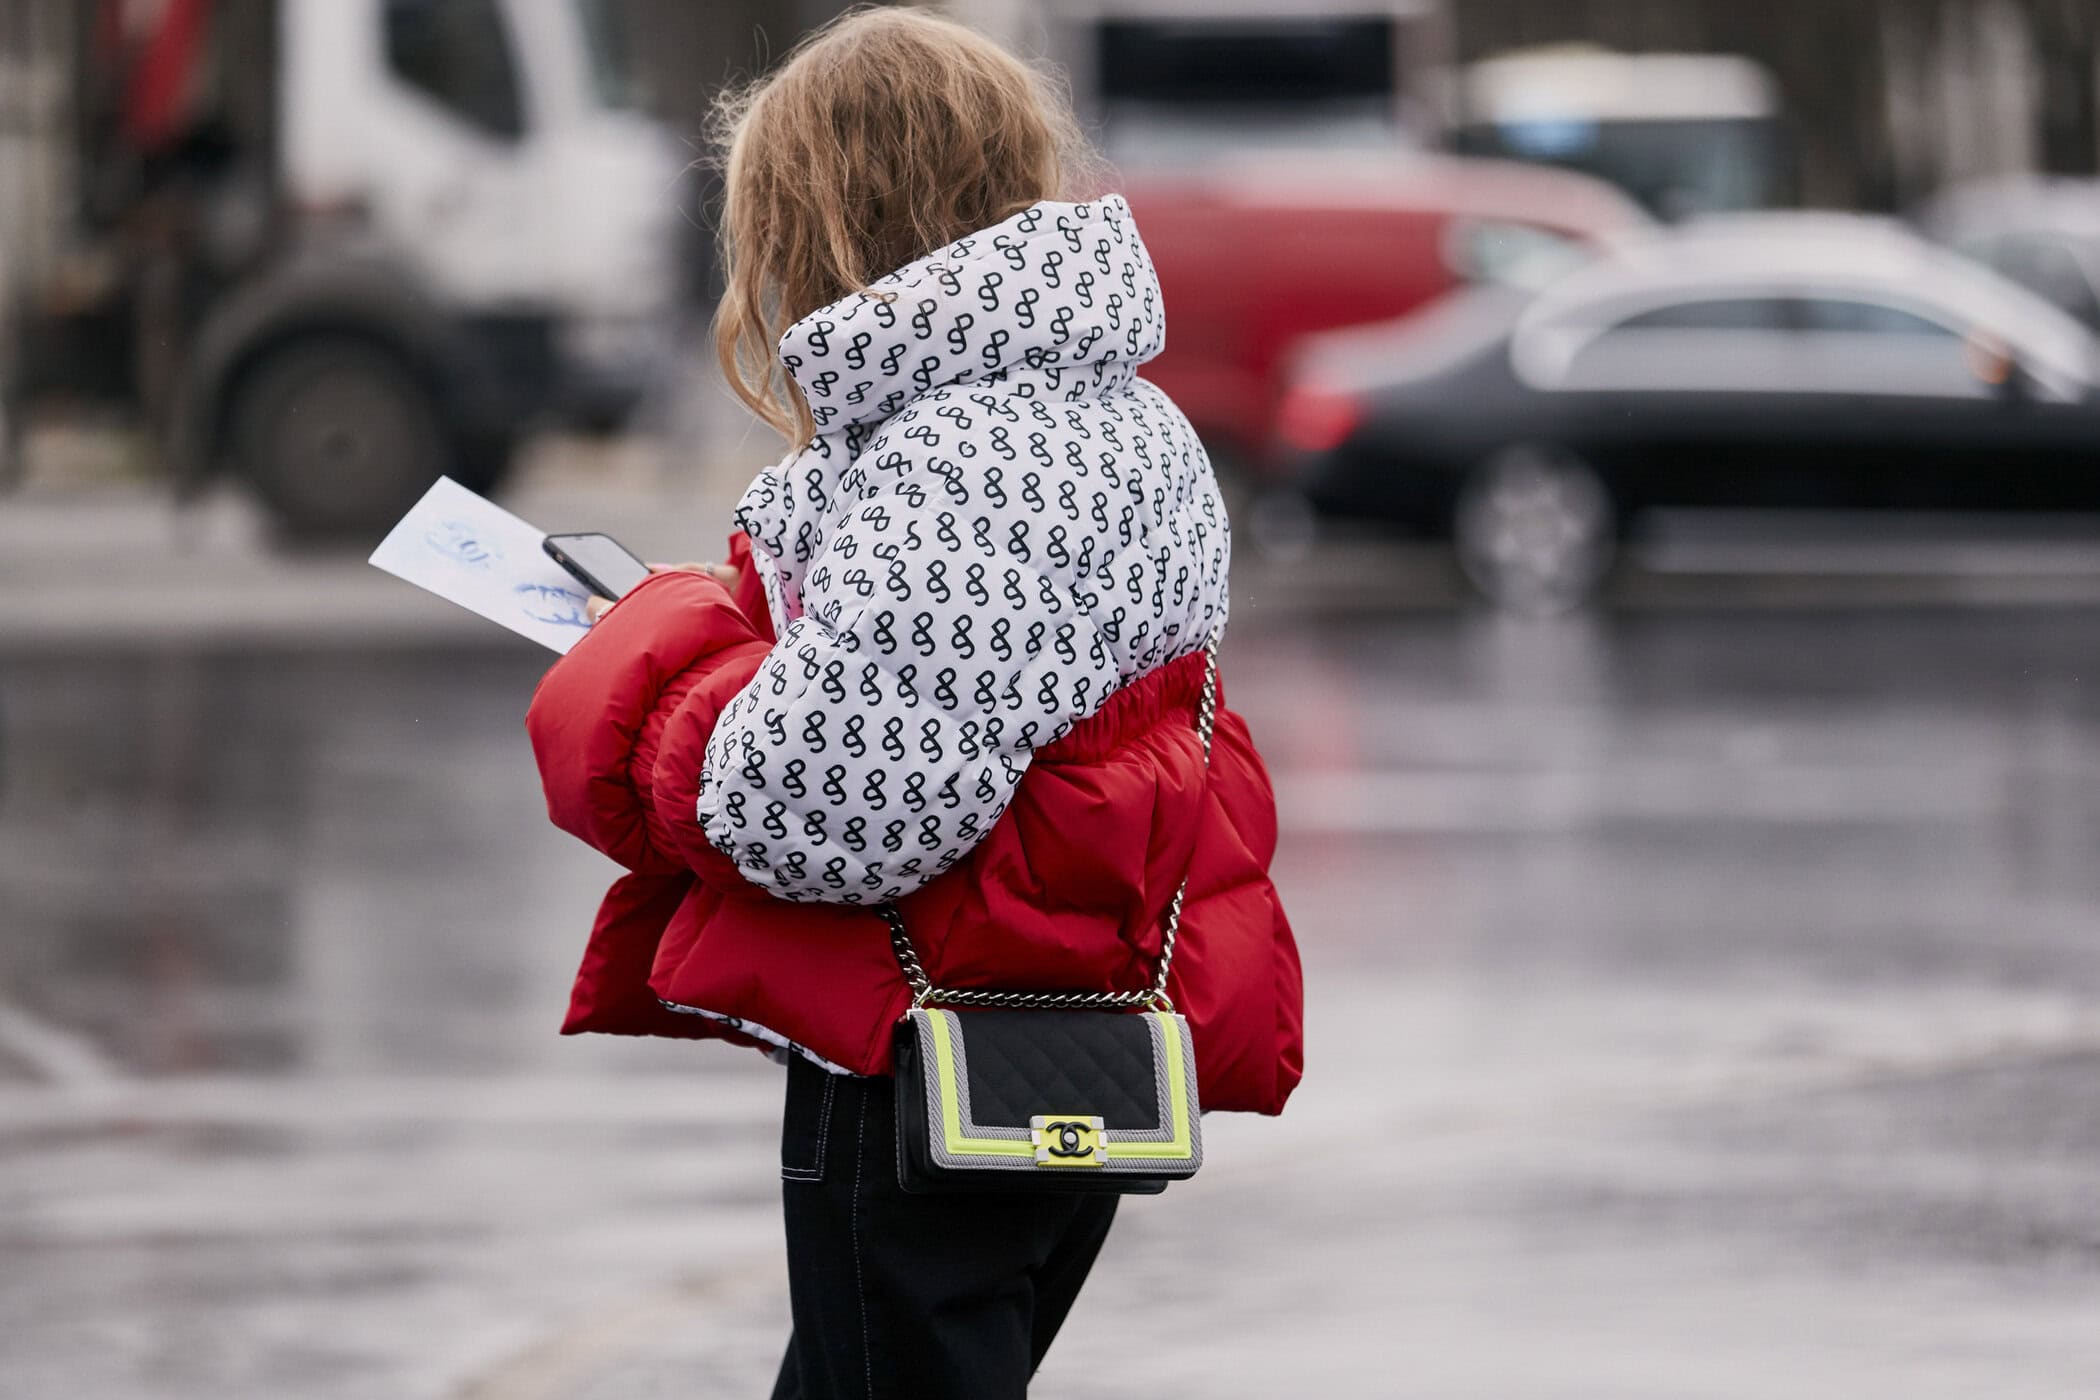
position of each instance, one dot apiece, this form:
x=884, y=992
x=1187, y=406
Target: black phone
x=598, y=562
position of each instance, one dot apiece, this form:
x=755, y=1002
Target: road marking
x=54, y=1054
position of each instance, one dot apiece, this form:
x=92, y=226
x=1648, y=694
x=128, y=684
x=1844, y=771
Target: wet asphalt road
x=1702, y=1003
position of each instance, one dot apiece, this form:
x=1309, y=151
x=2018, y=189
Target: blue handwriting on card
x=558, y=607
x=462, y=543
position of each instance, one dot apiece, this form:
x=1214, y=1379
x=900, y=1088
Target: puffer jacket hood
x=1056, y=287
x=961, y=676
x=1063, y=295
x=959, y=574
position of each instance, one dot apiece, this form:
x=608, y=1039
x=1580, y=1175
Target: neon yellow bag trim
x=1177, y=1101
x=951, y=1112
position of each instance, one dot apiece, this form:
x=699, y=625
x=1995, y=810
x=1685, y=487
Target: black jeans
x=925, y=1297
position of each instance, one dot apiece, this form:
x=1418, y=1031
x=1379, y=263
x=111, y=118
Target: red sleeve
x=601, y=717
x=681, y=751
x=675, y=782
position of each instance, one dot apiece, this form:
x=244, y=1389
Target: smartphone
x=598, y=562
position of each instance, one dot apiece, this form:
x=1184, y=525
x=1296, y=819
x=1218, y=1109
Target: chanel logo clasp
x=1068, y=1140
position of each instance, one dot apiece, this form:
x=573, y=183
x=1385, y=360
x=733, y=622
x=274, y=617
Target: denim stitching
x=860, y=1284
x=815, y=1173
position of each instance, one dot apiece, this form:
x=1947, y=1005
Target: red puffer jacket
x=1067, y=891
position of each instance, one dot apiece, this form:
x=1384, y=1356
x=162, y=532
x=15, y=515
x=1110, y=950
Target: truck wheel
x=1535, y=529
x=10, y=447
x=338, y=437
x=480, y=461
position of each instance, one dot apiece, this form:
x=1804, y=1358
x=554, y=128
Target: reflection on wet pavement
x=280, y=863
x=1700, y=1003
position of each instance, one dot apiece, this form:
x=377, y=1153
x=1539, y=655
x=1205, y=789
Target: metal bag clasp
x=1068, y=1140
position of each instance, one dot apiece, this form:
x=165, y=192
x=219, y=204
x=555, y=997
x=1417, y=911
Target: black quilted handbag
x=1049, y=1091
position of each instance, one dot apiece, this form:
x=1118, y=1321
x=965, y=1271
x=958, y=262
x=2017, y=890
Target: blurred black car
x=1765, y=360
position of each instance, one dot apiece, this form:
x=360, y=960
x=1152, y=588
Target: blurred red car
x=1257, y=253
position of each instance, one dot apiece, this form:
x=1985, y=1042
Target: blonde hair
x=886, y=134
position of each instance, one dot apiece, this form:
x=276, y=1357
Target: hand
x=720, y=573
x=595, y=607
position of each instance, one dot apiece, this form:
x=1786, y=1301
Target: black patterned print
x=997, y=526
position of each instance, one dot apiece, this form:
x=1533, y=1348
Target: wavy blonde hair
x=886, y=134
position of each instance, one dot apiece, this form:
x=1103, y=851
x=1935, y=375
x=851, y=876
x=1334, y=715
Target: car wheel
x=337, y=436
x=1535, y=529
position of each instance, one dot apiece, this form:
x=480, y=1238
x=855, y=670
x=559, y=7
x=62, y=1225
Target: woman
x=954, y=664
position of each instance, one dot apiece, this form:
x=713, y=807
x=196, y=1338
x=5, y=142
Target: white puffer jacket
x=997, y=525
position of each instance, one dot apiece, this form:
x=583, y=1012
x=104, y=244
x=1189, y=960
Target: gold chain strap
x=923, y=992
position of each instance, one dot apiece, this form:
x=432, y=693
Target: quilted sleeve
x=885, y=733
x=605, y=714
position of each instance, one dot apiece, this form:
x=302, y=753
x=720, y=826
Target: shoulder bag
x=1049, y=1091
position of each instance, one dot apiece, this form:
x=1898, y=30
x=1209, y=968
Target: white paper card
x=473, y=552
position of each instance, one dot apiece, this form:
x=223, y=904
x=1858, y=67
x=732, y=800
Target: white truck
x=1683, y=133
x=335, y=247
x=1180, y=82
